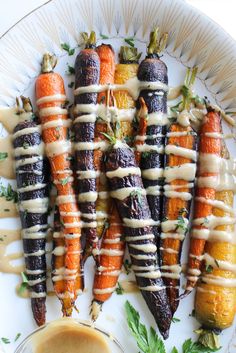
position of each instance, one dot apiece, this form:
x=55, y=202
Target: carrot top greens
x=157, y=43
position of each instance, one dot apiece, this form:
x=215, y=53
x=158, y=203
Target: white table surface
x=222, y=11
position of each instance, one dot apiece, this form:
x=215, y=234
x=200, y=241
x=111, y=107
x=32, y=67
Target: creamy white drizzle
x=181, y=151
x=123, y=172
x=185, y=171
x=123, y=193
x=152, y=173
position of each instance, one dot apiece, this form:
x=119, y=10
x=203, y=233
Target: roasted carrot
x=126, y=70
x=32, y=179
x=110, y=260
x=142, y=130
x=128, y=192
x=153, y=70
x=87, y=72
x=58, y=258
x=208, y=170
x=107, y=71
x=50, y=96
x=179, y=173
x=215, y=301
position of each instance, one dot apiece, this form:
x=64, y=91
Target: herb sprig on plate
x=149, y=342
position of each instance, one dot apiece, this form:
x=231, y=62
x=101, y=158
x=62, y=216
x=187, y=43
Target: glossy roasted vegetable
x=50, y=96
x=215, y=301
x=32, y=186
x=87, y=72
x=207, y=174
x=129, y=194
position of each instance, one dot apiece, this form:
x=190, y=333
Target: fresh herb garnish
x=119, y=289
x=3, y=156
x=67, y=48
x=209, y=268
x=175, y=319
x=137, y=194
x=26, y=145
x=5, y=340
x=217, y=263
x=64, y=181
x=103, y=36
x=8, y=193
x=24, y=283
x=130, y=41
x=192, y=313
x=148, y=342
x=17, y=336
x=181, y=223
x=145, y=154
x=174, y=350
x=70, y=70
x=127, y=266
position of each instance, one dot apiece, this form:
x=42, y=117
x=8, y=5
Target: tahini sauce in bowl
x=68, y=335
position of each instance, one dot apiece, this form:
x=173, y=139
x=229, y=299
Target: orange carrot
x=107, y=71
x=209, y=150
x=110, y=261
x=50, y=99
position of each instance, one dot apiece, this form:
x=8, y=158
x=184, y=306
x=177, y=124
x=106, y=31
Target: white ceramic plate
x=193, y=40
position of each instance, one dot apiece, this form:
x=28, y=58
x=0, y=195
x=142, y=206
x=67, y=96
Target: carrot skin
x=211, y=146
x=133, y=208
x=173, y=208
x=49, y=85
x=33, y=173
x=87, y=71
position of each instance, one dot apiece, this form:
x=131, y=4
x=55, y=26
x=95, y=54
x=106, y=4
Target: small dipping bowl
x=32, y=342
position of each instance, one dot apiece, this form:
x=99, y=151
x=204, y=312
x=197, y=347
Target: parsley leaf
x=103, y=36
x=127, y=265
x=3, y=156
x=24, y=283
x=175, y=319
x=209, y=268
x=130, y=41
x=70, y=70
x=119, y=289
x=17, y=336
x=148, y=342
x=5, y=340
x=67, y=48
x=8, y=193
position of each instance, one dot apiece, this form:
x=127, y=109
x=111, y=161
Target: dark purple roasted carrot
x=32, y=186
x=87, y=73
x=179, y=173
x=153, y=70
x=129, y=194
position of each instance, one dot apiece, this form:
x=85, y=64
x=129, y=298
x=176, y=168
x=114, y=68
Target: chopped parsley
x=127, y=265
x=70, y=70
x=66, y=47
x=181, y=223
x=217, y=263
x=64, y=181
x=8, y=193
x=137, y=194
x=130, y=41
x=5, y=340
x=26, y=145
x=17, y=336
x=175, y=319
x=103, y=36
x=209, y=268
x=119, y=289
x=3, y=156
